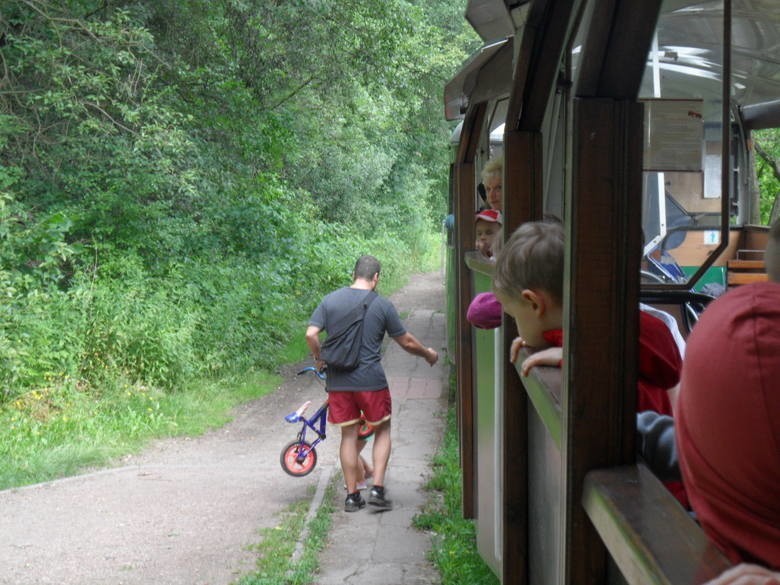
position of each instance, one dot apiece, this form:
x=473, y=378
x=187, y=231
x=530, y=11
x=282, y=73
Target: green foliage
x=768, y=171
x=182, y=180
x=454, y=544
x=56, y=430
x=137, y=329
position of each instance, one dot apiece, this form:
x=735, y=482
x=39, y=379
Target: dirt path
x=181, y=513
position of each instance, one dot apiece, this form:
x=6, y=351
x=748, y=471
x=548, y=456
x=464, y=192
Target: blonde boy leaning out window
x=528, y=282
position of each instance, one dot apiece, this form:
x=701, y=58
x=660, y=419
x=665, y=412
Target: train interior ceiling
x=631, y=122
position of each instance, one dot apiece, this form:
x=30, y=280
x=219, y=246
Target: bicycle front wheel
x=298, y=458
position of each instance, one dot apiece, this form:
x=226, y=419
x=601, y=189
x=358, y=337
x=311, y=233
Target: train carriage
x=631, y=121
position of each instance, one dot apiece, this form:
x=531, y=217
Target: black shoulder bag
x=341, y=350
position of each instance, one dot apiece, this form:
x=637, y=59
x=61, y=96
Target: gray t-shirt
x=381, y=318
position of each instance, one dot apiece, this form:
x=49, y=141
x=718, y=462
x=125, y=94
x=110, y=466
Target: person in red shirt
x=528, y=283
x=732, y=457
x=728, y=423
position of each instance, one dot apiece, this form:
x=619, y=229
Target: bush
x=169, y=212
x=136, y=329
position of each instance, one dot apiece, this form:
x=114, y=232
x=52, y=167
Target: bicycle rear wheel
x=298, y=458
x=365, y=431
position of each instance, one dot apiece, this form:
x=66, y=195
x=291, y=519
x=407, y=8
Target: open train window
x=686, y=140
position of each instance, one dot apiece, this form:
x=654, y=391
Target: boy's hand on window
x=747, y=574
x=552, y=356
x=518, y=343
x=485, y=249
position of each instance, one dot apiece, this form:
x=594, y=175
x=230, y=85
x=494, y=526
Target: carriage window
x=682, y=90
x=496, y=128
x=492, y=141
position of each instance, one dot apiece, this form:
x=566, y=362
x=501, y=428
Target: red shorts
x=346, y=408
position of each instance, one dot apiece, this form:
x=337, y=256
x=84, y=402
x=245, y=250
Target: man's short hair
x=532, y=258
x=366, y=267
x=772, y=256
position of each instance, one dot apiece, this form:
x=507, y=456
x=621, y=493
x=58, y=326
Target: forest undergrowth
x=180, y=183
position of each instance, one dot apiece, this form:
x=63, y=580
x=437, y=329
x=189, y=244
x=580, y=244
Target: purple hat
x=485, y=311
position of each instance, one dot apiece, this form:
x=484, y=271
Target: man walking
x=362, y=391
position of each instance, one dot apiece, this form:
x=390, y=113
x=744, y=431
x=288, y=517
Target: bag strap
x=373, y=296
x=356, y=314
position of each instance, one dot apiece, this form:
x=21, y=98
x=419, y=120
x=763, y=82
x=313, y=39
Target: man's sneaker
x=377, y=499
x=354, y=502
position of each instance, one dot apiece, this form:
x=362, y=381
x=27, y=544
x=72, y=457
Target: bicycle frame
x=316, y=423
x=299, y=457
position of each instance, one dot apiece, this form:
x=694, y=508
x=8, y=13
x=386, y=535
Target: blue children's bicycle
x=299, y=457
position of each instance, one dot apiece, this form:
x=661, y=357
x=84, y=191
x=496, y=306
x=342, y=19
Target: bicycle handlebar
x=319, y=374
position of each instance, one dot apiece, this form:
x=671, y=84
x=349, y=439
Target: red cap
x=491, y=215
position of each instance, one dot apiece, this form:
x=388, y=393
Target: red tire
x=298, y=458
x=365, y=430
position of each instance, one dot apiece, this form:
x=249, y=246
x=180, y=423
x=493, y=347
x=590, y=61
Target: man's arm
x=313, y=341
x=411, y=345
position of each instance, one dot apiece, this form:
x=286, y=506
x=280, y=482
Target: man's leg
x=381, y=451
x=377, y=406
x=365, y=470
x=348, y=453
x=377, y=496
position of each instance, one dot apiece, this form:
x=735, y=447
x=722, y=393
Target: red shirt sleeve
x=659, y=365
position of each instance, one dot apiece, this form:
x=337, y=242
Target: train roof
x=689, y=53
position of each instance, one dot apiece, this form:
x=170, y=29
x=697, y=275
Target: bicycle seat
x=298, y=414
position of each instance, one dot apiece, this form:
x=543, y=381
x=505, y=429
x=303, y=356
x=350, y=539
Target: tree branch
x=768, y=159
x=292, y=94
x=107, y=115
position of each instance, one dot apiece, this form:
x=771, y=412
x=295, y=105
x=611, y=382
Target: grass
x=56, y=432
x=454, y=550
x=296, y=349
x=275, y=565
x=59, y=431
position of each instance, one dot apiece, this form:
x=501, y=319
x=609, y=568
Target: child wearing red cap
x=484, y=311
x=488, y=227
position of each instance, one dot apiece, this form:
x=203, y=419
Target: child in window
x=488, y=227
x=484, y=310
x=528, y=282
